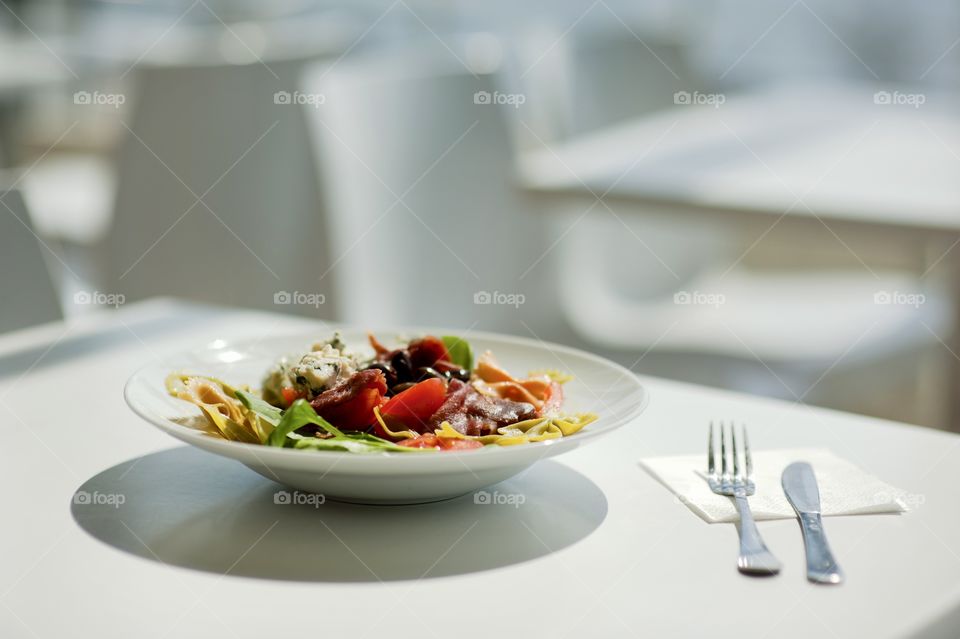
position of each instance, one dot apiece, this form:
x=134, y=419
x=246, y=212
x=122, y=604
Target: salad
x=427, y=394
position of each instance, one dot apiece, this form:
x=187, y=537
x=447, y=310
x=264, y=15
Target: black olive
x=400, y=361
x=387, y=370
x=457, y=373
x=425, y=372
x=301, y=380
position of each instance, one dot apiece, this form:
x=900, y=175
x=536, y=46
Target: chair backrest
x=235, y=136
x=420, y=173
x=593, y=78
x=26, y=287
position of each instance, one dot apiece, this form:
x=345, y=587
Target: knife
x=800, y=485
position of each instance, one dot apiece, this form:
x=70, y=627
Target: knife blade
x=800, y=485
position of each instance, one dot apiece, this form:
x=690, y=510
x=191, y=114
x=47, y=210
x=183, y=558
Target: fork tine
x=733, y=445
x=723, y=451
x=746, y=453
x=711, y=464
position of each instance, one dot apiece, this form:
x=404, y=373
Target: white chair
x=592, y=78
x=26, y=286
x=768, y=331
x=406, y=125
x=70, y=196
x=232, y=136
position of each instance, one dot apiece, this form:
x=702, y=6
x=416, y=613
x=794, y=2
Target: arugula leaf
x=267, y=412
x=352, y=442
x=297, y=416
x=460, y=352
x=301, y=413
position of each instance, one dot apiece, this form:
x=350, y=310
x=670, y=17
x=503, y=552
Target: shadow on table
x=189, y=508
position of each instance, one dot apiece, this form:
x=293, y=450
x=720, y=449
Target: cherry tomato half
x=290, y=395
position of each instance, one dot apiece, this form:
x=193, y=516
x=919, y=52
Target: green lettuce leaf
x=460, y=352
x=297, y=416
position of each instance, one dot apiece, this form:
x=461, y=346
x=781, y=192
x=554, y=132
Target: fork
x=754, y=557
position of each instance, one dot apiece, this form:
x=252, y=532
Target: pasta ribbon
x=531, y=430
x=494, y=380
x=554, y=375
x=218, y=401
x=400, y=434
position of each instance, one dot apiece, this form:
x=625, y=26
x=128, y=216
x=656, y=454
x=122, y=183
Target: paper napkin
x=844, y=488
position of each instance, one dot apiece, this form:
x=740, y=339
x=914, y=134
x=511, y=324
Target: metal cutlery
x=754, y=557
x=800, y=486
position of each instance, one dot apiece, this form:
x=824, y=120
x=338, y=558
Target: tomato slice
x=430, y=440
x=453, y=443
x=414, y=406
x=349, y=405
x=356, y=413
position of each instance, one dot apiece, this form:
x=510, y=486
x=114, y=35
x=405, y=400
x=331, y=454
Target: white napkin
x=844, y=488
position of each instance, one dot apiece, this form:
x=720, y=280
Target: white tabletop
x=846, y=153
x=198, y=549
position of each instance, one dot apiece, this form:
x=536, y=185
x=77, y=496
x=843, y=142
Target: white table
x=599, y=548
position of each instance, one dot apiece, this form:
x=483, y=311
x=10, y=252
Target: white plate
x=599, y=386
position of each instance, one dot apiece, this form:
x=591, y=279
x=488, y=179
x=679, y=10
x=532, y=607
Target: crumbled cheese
x=327, y=364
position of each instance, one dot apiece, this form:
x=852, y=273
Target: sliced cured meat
x=471, y=413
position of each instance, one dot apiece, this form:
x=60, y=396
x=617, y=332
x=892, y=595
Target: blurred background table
x=805, y=209
x=834, y=152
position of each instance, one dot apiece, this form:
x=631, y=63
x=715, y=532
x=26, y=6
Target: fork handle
x=754, y=557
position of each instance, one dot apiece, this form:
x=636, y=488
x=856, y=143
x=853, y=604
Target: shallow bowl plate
x=599, y=386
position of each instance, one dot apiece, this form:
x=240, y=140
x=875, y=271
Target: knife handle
x=822, y=568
